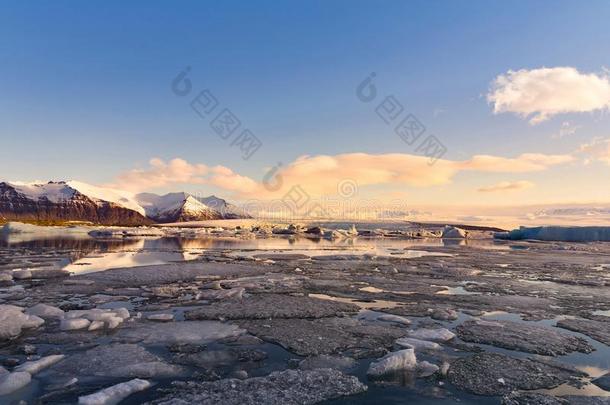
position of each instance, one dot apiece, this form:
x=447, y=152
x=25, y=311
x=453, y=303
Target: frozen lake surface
x=210, y=308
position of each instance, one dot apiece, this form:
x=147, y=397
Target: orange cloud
x=161, y=174
x=321, y=175
x=597, y=149
x=507, y=186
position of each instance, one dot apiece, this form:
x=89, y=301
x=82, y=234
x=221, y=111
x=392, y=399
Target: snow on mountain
x=120, y=197
x=154, y=204
x=175, y=207
x=61, y=191
x=54, y=192
x=61, y=202
x=227, y=210
x=67, y=199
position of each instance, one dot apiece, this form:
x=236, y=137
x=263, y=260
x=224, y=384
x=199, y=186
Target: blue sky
x=85, y=89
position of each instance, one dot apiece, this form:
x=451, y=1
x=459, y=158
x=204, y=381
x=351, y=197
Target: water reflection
x=83, y=254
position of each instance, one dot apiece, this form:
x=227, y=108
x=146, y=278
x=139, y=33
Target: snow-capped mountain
x=64, y=201
x=227, y=210
x=175, y=207
x=77, y=201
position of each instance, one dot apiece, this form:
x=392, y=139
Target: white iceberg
x=434, y=335
x=74, y=324
x=452, y=232
x=45, y=311
x=36, y=366
x=12, y=382
x=13, y=320
x=94, y=319
x=394, y=319
x=21, y=228
x=395, y=361
x=417, y=344
x=115, y=394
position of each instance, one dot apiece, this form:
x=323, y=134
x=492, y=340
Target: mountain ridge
x=59, y=201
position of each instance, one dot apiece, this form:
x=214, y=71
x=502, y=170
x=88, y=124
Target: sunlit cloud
x=539, y=94
x=161, y=174
x=597, y=149
x=527, y=162
x=507, y=186
x=321, y=175
x=177, y=171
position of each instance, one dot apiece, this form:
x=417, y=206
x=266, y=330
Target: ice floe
x=559, y=233
x=13, y=320
x=115, y=394
x=395, y=361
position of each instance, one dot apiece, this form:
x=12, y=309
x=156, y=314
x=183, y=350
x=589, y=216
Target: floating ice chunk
x=395, y=319
x=122, y=312
x=91, y=314
x=114, y=322
x=115, y=394
x=21, y=228
x=32, y=322
x=95, y=325
x=451, y=232
x=45, y=311
x=34, y=367
x=395, y=361
x=13, y=320
x=426, y=369
x=435, y=335
x=161, y=317
x=74, y=324
x=417, y=344
x=112, y=318
x=12, y=382
x=559, y=233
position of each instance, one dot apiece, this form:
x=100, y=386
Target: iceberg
x=559, y=233
x=115, y=394
x=21, y=228
x=12, y=382
x=13, y=320
x=452, y=232
x=395, y=361
x=35, y=366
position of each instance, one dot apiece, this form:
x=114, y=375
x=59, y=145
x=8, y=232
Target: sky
x=516, y=95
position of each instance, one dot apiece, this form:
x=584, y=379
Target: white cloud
x=507, y=186
x=597, y=149
x=542, y=93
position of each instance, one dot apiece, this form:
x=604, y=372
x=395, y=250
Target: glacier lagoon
x=234, y=305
